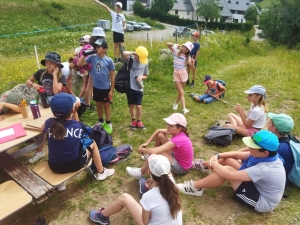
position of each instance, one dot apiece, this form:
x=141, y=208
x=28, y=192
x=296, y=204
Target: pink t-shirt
x=183, y=152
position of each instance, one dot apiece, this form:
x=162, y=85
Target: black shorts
x=134, y=97
x=247, y=194
x=118, y=37
x=100, y=95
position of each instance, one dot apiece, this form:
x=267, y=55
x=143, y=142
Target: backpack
x=220, y=135
x=224, y=84
x=122, y=80
x=100, y=136
x=121, y=153
x=85, y=143
x=294, y=175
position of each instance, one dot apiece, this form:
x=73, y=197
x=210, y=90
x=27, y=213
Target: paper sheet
x=7, y=132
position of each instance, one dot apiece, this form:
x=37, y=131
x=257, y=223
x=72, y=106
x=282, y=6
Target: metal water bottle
x=35, y=109
x=44, y=98
x=139, y=83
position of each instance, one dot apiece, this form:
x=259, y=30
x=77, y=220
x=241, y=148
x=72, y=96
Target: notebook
x=12, y=132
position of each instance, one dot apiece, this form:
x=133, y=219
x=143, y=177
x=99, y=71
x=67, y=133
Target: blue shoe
x=143, y=188
x=97, y=217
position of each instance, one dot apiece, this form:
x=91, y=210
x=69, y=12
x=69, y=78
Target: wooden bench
x=52, y=178
x=12, y=198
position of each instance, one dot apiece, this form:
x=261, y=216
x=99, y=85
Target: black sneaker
x=187, y=82
x=115, y=60
x=192, y=84
x=120, y=60
x=90, y=107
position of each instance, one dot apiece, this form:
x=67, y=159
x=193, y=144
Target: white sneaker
x=144, y=157
x=110, y=125
x=188, y=188
x=175, y=106
x=105, y=174
x=98, y=123
x=134, y=172
x=197, y=164
x=36, y=157
x=61, y=187
x=185, y=110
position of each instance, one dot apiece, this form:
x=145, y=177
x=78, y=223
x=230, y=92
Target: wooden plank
x=32, y=183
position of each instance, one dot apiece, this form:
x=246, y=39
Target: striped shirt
x=179, y=62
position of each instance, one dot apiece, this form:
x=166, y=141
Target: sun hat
x=119, y=4
x=98, y=31
x=53, y=57
x=86, y=38
x=206, y=79
x=263, y=139
x=257, y=89
x=142, y=52
x=189, y=45
x=12, y=98
x=61, y=104
x=101, y=42
x=176, y=118
x=283, y=122
x=196, y=33
x=159, y=165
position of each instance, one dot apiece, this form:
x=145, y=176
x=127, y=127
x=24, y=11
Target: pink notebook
x=12, y=132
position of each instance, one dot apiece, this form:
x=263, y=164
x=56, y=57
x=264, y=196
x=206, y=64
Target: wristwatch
x=218, y=155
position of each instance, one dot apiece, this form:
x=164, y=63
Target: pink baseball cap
x=189, y=45
x=176, y=118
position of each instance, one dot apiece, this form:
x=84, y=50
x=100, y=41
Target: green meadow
x=232, y=57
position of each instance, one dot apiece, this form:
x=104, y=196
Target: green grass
x=224, y=56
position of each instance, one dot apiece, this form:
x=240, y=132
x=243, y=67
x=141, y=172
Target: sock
x=101, y=120
x=138, y=121
x=133, y=119
x=103, y=170
x=192, y=81
x=107, y=121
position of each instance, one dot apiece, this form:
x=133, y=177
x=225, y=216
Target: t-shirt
x=258, y=115
x=269, y=180
x=100, y=71
x=195, y=49
x=152, y=201
x=47, y=81
x=179, y=62
x=66, y=69
x=65, y=150
x=285, y=152
x=183, y=150
x=214, y=89
x=137, y=70
x=117, y=22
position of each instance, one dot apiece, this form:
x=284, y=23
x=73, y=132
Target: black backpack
x=100, y=136
x=220, y=135
x=122, y=80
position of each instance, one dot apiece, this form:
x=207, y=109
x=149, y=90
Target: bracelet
x=218, y=155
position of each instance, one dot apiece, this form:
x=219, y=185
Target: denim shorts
x=207, y=98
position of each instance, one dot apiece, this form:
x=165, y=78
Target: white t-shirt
x=152, y=201
x=117, y=22
x=66, y=70
x=258, y=115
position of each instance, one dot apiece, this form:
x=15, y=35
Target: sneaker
x=144, y=157
x=115, y=60
x=119, y=59
x=192, y=84
x=192, y=94
x=36, y=157
x=98, y=123
x=140, y=125
x=61, y=187
x=106, y=173
x=143, y=188
x=110, y=125
x=187, y=82
x=134, y=172
x=175, y=106
x=97, y=217
x=185, y=110
x=188, y=188
x=80, y=74
x=197, y=164
x=90, y=107
x=133, y=125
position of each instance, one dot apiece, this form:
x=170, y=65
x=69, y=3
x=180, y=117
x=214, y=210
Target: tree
x=278, y=22
x=162, y=6
x=251, y=14
x=209, y=9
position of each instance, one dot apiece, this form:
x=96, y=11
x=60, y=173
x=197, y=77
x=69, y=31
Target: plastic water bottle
x=139, y=83
x=44, y=98
x=35, y=109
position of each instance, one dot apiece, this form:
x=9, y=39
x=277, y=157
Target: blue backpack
x=224, y=84
x=294, y=175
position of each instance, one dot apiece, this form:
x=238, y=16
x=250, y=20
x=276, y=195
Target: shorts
x=250, y=131
x=100, y=95
x=180, y=75
x=176, y=168
x=207, y=98
x=247, y=194
x=134, y=97
x=118, y=37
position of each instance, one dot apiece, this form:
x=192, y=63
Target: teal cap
x=283, y=123
x=262, y=139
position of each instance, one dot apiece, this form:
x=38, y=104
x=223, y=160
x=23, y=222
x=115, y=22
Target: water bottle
x=44, y=98
x=139, y=83
x=89, y=52
x=35, y=109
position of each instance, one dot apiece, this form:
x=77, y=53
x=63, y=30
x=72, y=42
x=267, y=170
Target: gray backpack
x=220, y=135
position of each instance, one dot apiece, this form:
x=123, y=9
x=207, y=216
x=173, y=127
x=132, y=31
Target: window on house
x=176, y=12
x=187, y=12
x=247, y=3
x=236, y=2
x=229, y=1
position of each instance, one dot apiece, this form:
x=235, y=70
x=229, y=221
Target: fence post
x=37, y=57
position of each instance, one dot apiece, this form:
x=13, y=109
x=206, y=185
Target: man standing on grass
x=118, y=27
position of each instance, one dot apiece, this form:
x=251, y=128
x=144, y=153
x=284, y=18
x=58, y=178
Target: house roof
x=238, y=5
x=183, y=5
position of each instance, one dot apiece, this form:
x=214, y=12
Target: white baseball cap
x=119, y=4
x=159, y=165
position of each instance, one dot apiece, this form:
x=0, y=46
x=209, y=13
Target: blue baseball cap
x=61, y=104
x=263, y=139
